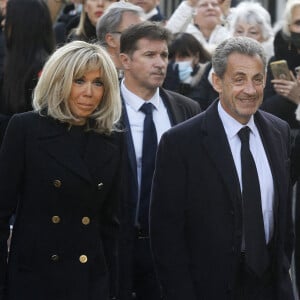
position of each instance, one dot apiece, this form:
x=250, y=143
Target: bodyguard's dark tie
x=256, y=253
x=148, y=163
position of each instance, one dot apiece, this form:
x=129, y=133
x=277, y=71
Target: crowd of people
x=145, y=157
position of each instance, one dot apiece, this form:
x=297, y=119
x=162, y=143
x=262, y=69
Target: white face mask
x=184, y=69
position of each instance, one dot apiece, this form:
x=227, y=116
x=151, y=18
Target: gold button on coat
x=54, y=257
x=85, y=220
x=83, y=259
x=57, y=183
x=55, y=219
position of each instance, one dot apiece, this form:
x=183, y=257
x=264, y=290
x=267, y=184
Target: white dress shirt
x=232, y=127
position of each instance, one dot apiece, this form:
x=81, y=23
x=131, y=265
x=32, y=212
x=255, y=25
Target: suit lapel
x=218, y=149
x=57, y=143
x=272, y=144
x=174, y=113
x=129, y=140
x=99, y=152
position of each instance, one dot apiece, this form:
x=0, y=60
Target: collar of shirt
x=135, y=102
x=232, y=126
x=151, y=13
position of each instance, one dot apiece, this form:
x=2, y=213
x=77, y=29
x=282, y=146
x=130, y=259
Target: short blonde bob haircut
x=71, y=62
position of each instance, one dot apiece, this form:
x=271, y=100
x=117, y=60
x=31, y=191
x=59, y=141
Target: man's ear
x=125, y=60
x=110, y=40
x=216, y=82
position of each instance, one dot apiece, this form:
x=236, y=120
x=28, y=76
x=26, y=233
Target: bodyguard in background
x=220, y=216
x=148, y=111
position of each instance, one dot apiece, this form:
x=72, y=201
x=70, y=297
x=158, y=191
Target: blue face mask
x=184, y=69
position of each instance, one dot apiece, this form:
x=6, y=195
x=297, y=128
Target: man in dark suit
x=3, y=124
x=144, y=56
x=216, y=233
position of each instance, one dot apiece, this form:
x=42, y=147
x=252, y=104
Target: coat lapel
x=174, y=113
x=129, y=141
x=218, y=149
x=274, y=150
x=57, y=143
x=99, y=152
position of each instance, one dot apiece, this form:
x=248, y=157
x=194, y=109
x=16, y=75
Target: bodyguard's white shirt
x=136, y=118
x=232, y=127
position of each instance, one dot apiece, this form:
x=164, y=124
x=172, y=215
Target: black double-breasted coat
x=65, y=203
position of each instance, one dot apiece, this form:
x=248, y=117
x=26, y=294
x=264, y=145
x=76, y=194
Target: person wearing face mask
x=187, y=61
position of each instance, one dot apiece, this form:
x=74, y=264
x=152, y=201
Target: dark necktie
x=256, y=253
x=148, y=163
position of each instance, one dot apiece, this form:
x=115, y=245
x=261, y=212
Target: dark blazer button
x=55, y=219
x=57, y=183
x=85, y=220
x=83, y=259
x=54, y=257
x=100, y=185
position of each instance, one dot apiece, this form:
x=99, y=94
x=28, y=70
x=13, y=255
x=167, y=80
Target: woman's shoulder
x=29, y=119
x=28, y=115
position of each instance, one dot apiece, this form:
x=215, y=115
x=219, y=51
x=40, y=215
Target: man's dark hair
x=149, y=30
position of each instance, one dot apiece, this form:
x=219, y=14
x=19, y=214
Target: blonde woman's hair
x=71, y=62
x=287, y=19
x=80, y=29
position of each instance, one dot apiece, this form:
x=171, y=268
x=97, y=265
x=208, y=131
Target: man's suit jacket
x=196, y=213
x=65, y=202
x=179, y=108
x=3, y=124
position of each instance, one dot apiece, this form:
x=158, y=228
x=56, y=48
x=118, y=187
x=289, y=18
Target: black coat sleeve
x=167, y=222
x=11, y=170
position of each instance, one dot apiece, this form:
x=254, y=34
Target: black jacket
x=65, y=204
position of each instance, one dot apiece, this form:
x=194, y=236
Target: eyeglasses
x=116, y=32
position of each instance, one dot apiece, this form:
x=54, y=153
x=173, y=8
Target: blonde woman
x=60, y=174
